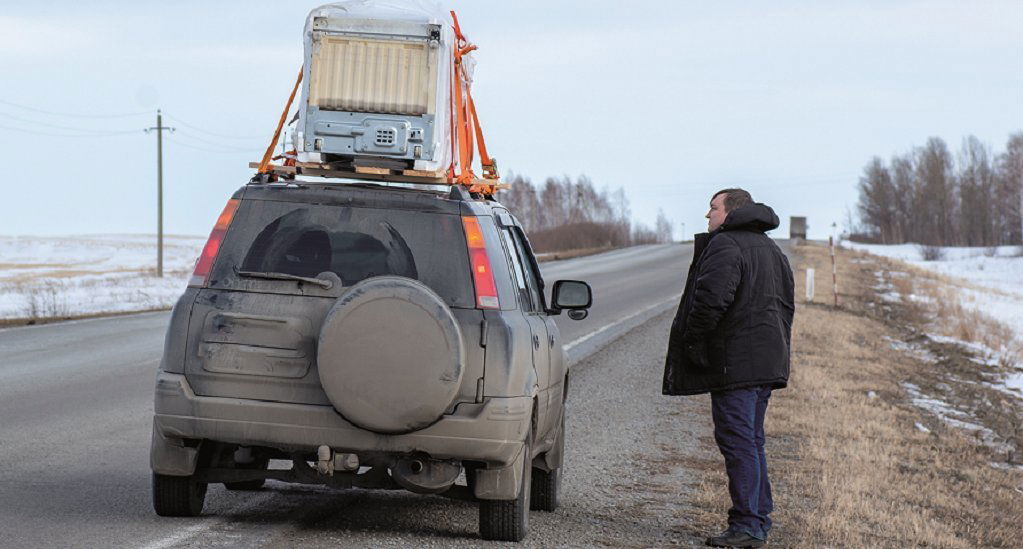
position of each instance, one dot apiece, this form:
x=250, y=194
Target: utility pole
x=159, y=190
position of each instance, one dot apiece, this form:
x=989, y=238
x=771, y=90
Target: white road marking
x=206, y=525
x=174, y=539
x=603, y=329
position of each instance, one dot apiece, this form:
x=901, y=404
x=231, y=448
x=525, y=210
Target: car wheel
x=546, y=485
x=508, y=520
x=178, y=496
x=258, y=465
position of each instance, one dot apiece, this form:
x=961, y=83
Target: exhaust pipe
x=425, y=475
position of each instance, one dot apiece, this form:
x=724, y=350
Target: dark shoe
x=731, y=538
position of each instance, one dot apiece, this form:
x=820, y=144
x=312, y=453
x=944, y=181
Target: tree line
x=563, y=214
x=934, y=197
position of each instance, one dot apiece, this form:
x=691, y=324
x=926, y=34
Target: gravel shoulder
x=625, y=485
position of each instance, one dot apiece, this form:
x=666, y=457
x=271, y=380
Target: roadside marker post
x=834, y=274
x=809, y=284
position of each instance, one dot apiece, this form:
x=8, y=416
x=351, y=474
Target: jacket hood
x=754, y=217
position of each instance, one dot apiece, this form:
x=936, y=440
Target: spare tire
x=390, y=355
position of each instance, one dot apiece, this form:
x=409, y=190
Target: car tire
x=508, y=520
x=178, y=496
x=546, y=485
x=246, y=485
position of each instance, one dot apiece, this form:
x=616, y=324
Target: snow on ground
x=996, y=273
x=995, y=287
x=80, y=275
x=916, y=351
x=953, y=417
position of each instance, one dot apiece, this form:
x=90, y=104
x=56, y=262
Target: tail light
x=482, y=275
x=201, y=276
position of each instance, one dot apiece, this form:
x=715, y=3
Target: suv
x=376, y=337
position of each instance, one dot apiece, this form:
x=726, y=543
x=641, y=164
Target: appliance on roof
x=385, y=90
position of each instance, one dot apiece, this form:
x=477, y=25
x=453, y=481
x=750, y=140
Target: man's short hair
x=734, y=198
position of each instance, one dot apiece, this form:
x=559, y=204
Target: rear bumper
x=492, y=432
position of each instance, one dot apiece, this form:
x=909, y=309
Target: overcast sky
x=670, y=100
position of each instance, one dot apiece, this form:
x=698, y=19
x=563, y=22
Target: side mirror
x=573, y=295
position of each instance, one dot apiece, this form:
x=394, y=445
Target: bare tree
x=936, y=194
x=932, y=198
x=566, y=214
x=1009, y=190
x=641, y=234
x=977, y=213
x=664, y=227
x=877, y=201
x=552, y=204
x=902, y=170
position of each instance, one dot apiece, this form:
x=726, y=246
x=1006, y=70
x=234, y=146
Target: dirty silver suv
x=371, y=337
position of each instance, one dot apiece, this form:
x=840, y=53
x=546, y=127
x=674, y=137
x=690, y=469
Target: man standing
x=731, y=338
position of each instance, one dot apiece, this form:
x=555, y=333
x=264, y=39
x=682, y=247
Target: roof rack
x=325, y=169
x=370, y=173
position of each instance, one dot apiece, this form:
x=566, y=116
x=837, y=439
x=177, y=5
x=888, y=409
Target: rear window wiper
x=325, y=284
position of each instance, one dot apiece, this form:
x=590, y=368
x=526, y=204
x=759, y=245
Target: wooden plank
x=372, y=170
x=317, y=169
x=396, y=178
x=424, y=173
x=281, y=170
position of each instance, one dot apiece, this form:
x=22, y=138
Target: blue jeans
x=739, y=431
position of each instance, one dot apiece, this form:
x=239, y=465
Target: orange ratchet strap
x=264, y=165
x=467, y=124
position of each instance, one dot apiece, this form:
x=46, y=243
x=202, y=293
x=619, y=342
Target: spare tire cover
x=390, y=355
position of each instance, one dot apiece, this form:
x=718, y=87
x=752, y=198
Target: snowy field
x=995, y=274
x=994, y=285
x=46, y=277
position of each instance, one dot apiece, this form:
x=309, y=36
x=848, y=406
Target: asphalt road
x=76, y=412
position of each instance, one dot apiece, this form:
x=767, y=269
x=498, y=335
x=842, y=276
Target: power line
x=74, y=115
x=92, y=132
x=207, y=149
x=194, y=137
x=48, y=134
x=56, y=126
x=214, y=134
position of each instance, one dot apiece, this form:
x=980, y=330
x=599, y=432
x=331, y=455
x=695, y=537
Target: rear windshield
x=353, y=243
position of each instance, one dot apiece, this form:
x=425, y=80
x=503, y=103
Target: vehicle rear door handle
x=550, y=341
x=536, y=341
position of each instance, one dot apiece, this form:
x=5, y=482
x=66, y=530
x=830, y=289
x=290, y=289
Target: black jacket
x=734, y=324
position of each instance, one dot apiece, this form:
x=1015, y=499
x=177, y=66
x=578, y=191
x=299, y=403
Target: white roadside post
x=809, y=284
x=834, y=273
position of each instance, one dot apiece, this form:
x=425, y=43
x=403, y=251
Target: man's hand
x=696, y=352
